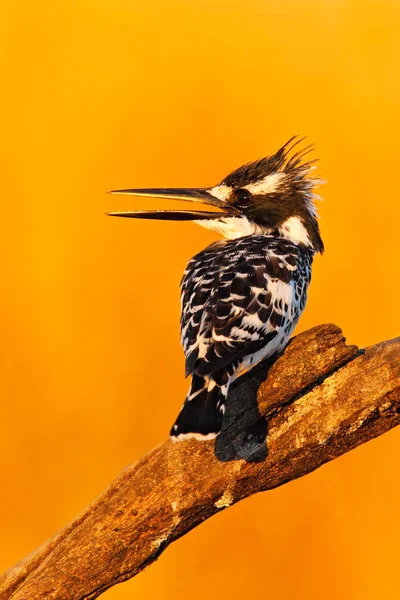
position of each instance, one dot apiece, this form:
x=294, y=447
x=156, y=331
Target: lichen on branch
x=283, y=420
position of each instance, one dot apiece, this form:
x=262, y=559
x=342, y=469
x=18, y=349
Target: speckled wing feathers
x=238, y=297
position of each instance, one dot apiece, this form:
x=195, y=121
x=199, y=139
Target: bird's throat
x=233, y=227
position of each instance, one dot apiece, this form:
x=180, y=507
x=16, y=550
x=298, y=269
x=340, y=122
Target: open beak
x=221, y=208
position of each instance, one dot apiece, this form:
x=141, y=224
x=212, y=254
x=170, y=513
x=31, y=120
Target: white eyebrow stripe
x=222, y=192
x=268, y=185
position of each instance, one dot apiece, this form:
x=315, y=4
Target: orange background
x=103, y=94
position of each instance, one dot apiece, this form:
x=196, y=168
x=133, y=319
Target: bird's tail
x=202, y=412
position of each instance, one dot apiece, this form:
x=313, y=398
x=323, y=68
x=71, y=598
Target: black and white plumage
x=240, y=303
x=242, y=296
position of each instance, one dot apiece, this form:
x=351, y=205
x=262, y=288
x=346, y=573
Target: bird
x=242, y=296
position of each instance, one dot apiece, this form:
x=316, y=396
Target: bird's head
x=271, y=196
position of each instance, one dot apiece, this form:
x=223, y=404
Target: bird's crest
x=284, y=167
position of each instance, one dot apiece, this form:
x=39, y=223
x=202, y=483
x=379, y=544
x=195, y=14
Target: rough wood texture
x=321, y=399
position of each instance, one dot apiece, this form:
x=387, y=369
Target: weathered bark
x=321, y=399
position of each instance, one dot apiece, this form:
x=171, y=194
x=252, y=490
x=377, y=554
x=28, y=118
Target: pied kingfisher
x=242, y=296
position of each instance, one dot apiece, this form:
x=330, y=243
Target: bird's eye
x=243, y=198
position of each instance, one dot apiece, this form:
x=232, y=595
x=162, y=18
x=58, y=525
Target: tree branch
x=321, y=399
